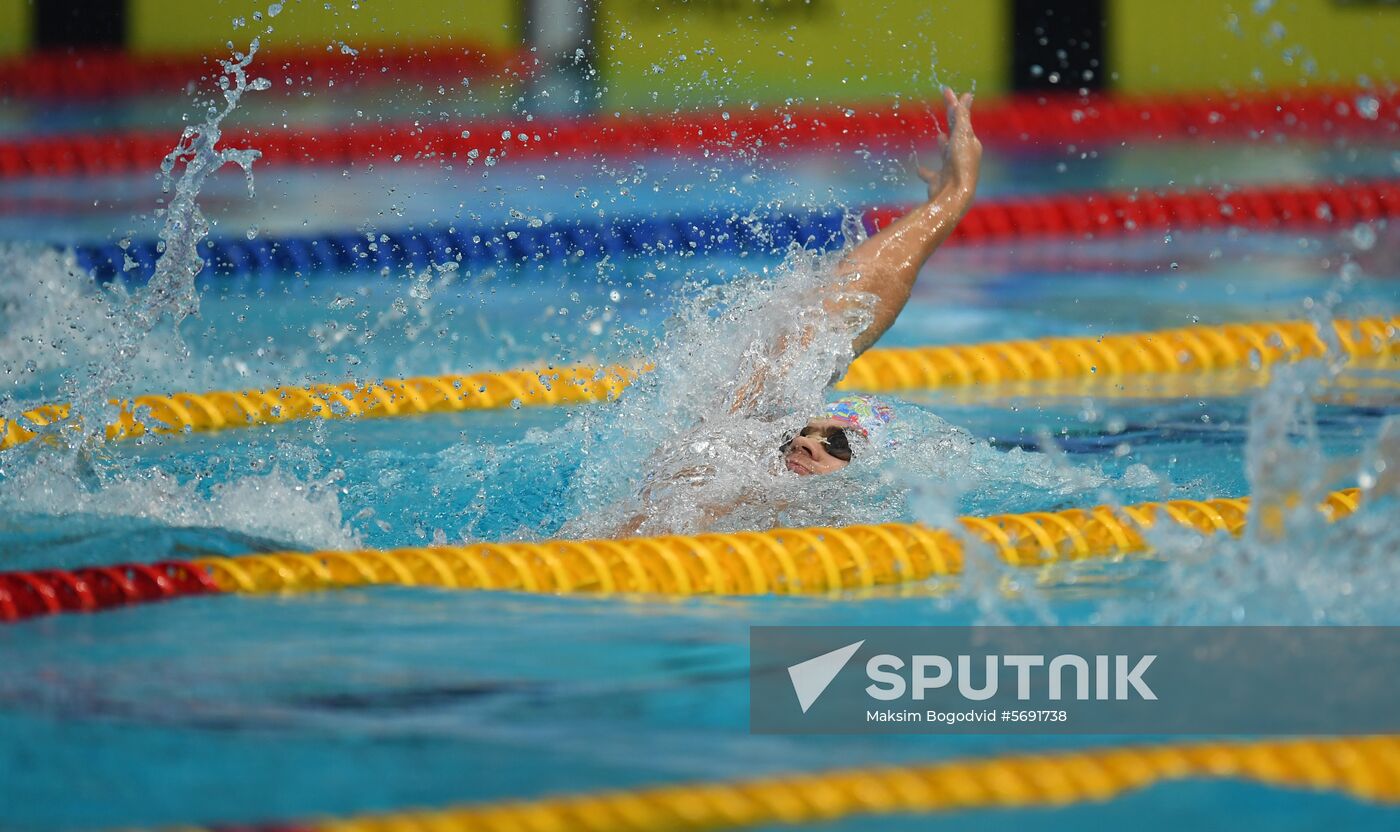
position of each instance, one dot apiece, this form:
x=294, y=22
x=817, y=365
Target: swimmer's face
x=816, y=449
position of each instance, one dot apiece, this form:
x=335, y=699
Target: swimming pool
x=245, y=709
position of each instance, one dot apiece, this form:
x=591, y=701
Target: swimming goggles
x=833, y=439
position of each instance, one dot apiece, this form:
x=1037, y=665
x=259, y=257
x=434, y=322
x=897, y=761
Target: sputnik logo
x=811, y=678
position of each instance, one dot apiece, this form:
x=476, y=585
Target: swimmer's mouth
x=794, y=467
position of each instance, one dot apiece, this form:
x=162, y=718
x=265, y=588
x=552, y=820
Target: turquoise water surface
x=239, y=709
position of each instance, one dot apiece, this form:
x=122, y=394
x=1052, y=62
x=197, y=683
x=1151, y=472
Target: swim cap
x=866, y=414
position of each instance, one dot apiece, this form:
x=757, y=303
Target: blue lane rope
x=556, y=243
x=562, y=242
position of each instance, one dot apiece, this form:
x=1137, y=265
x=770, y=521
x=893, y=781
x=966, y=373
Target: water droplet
x=1363, y=236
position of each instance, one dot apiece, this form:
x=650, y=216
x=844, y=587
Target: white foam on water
x=54, y=318
x=276, y=506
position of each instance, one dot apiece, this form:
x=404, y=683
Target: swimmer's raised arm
x=885, y=265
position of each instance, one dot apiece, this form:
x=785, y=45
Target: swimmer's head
x=824, y=444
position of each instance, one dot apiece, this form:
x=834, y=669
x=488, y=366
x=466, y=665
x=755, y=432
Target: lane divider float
x=1194, y=349
x=1364, y=767
x=1044, y=121
x=801, y=561
x=562, y=241
x=223, y=409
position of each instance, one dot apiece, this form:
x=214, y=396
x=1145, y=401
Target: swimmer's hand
x=962, y=153
x=887, y=263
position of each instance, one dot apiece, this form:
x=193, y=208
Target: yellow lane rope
x=1367, y=768
x=782, y=561
x=220, y=409
x=1369, y=381
x=1248, y=346
x=1184, y=350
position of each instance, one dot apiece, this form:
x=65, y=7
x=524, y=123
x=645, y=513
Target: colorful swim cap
x=866, y=414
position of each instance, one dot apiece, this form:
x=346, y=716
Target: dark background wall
x=79, y=23
x=1058, y=45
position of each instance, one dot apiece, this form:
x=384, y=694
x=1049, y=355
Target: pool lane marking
x=1014, y=121
x=803, y=561
x=566, y=241
x=879, y=370
x=1363, y=767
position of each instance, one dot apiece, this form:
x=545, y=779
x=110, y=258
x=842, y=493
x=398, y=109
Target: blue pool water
x=239, y=709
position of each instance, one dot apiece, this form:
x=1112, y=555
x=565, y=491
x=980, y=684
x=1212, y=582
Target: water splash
x=171, y=290
x=141, y=328
x=1291, y=566
x=61, y=321
x=692, y=446
x=52, y=318
x=57, y=320
x=274, y=510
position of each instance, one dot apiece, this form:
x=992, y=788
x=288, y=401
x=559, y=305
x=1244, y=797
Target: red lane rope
x=1016, y=121
x=50, y=591
x=1079, y=215
x=101, y=74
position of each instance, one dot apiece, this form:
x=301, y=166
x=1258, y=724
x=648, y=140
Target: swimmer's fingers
x=960, y=115
x=962, y=153
x=950, y=100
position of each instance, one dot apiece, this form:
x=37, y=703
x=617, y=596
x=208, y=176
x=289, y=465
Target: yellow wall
x=770, y=50
x=736, y=51
x=206, y=25
x=14, y=26
x=1209, y=44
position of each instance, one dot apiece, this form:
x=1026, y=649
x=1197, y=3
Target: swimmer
x=885, y=266
x=706, y=478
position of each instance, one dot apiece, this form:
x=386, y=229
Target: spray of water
x=693, y=446
x=675, y=455
x=56, y=515
x=1292, y=565
x=114, y=336
x=171, y=289
x=170, y=295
